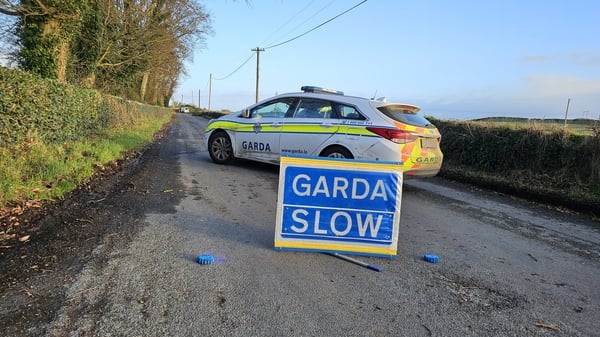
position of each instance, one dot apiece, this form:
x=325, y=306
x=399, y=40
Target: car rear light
x=395, y=135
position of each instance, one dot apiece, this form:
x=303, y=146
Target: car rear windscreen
x=405, y=114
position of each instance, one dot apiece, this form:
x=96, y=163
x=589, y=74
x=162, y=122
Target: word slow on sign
x=339, y=206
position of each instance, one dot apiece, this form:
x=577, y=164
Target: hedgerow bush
x=57, y=112
x=55, y=136
x=550, y=163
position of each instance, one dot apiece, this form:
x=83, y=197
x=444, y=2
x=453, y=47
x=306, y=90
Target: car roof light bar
x=310, y=88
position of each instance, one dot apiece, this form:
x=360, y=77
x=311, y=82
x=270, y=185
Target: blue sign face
x=334, y=188
x=333, y=205
x=345, y=225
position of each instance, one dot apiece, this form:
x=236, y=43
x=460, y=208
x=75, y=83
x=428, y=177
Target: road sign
x=338, y=206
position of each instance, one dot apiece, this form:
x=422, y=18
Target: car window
x=272, y=109
x=404, y=113
x=349, y=112
x=314, y=108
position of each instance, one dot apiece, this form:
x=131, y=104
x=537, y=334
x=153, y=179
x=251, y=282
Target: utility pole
x=257, y=50
x=567, y=111
x=198, y=98
x=209, y=90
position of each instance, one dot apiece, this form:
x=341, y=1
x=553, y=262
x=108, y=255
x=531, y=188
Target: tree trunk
x=52, y=30
x=62, y=60
x=144, y=85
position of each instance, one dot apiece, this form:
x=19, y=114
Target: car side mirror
x=246, y=113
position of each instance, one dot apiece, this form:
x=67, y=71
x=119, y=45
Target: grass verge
x=34, y=170
x=545, y=189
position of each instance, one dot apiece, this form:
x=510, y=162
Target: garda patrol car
x=324, y=122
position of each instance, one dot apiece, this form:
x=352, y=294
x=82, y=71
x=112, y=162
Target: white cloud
x=559, y=85
x=538, y=96
x=534, y=58
x=585, y=58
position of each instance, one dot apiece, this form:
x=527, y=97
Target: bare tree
x=140, y=44
x=132, y=48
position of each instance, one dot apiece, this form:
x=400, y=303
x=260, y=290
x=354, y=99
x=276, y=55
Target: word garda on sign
x=339, y=206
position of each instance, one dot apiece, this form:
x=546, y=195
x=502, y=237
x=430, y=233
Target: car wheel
x=219, y=148
x=337, y=152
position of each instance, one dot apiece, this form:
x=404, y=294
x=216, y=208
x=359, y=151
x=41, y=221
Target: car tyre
x=337, y=152
x=220, y=148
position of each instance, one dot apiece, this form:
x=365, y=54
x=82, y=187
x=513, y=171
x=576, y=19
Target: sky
x=461, y=59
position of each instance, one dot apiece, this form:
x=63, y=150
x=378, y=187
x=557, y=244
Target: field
x=579, y=126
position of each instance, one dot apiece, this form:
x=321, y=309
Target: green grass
x=34, y=170
x=580, y=126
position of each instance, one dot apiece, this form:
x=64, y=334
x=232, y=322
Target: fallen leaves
x=17, y=210
x=5, y=237
x=12, y=222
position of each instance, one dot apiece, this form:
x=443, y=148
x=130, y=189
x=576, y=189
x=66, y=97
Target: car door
x=308, y=128
x=258, y=138
x=352, y=131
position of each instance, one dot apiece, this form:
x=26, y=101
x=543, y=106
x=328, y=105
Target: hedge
x=550, y=164
x=58, y=112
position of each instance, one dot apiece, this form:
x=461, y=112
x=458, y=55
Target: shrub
x=550, y=163
x=53, y=136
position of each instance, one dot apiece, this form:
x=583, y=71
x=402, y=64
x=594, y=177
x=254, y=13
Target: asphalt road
x=507, y=267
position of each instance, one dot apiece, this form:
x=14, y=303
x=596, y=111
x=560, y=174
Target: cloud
x=579, y=58
x=585, y=58
x=560, y=85
x=534, y=58
x=536, y=96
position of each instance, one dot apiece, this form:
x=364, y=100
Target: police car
x=327, y=123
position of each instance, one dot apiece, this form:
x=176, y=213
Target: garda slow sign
x=342, y=206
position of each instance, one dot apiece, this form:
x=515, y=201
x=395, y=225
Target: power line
x=301, y=24
x=287, y=22
x=238, y=68
x=290, y=40
x=322, y=24
x=258, y=50
x=310, y=18
x=277, y=30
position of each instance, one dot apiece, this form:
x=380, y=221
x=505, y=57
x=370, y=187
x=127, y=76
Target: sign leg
x=358, y=262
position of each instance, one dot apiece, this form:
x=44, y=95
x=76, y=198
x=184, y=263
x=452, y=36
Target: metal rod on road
x=358, y=262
